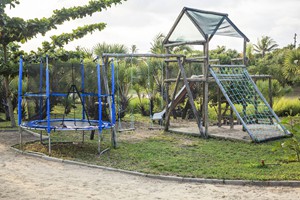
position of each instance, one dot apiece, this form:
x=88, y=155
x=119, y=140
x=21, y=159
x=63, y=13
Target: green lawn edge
x=164, y=153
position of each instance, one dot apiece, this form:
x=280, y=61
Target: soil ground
x=25, y=177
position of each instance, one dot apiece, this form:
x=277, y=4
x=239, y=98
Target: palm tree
x=157, y=45
x=264, y=45
x=101, y=48
x=292, y=65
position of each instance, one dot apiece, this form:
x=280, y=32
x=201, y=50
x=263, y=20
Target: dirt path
x=25, y=177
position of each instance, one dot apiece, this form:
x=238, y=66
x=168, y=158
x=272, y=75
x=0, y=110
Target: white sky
x=139, y=21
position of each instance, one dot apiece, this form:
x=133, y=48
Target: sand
x=25, y=177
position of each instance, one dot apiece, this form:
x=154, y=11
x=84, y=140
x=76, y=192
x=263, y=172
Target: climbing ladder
x=249, y=105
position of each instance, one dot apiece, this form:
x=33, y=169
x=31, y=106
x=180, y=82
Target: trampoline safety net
x=73, y=96
x=249, y=105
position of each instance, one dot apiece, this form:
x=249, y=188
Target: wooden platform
x=224, y=132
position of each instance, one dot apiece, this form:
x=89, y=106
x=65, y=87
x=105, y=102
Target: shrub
x=291, y=146
x=277, y=89
x=287, y=106
x=135, y=105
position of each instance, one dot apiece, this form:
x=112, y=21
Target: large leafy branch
x=15, y=29
x=65, y=38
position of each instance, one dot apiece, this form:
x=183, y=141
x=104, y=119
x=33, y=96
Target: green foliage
x=277, y=89
x=282, y=64
x=292, y=65
x=135, y=105
x=224, y=56
x=65, y=38
x=101, y=48
x=10, y=66
x=265, y=45
x=291, y=146
x=15, y=29
x=286, y=106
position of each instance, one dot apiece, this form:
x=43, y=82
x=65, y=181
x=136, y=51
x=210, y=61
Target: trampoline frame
x=40, y=125
x=47, y=124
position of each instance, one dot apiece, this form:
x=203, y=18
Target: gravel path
x=25, y=177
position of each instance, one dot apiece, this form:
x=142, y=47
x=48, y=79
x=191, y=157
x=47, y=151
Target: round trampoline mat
x=66, y=124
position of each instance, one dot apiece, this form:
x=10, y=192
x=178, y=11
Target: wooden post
x=191, y=99
x=244, y=52
x=109, y=101
x=167, y=122
x=219, y=108
x=205, y=89
x=49, y=144
x=231, y=118
x=21, y=139
x=270, y=93
x=168, y=112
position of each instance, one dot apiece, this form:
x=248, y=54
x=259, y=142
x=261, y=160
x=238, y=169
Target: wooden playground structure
x=198, y=27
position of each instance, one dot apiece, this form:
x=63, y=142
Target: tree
x=291, y=69
x=157, y=45
x=14, y=29
x=264, y=45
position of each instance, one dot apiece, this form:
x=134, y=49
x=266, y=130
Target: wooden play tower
x=198, y=27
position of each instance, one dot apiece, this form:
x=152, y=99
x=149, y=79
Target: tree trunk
x=7, y=92
x=9, y=102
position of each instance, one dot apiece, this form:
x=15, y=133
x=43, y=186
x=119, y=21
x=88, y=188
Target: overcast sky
x=137, y=22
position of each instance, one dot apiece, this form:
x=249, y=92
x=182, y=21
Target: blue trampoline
x=66, y=125
x=59, y=96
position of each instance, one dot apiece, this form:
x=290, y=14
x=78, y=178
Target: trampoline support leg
x=49, y=140
x=82, y=137
x=41, y=137
x=21, y=139
x=99, y=141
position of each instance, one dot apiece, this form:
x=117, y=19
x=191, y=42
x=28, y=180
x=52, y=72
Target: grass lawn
x=158, y=152
x=6, y=125
x=164, y=153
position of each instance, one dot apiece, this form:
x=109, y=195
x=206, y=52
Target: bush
x=135, y=105
x=291, y=146
x=277, y=89
x=287, y=106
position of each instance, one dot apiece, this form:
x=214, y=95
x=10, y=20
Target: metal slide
x=249, y=105
x=178, y=98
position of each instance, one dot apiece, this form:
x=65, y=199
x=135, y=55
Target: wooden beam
x=173, y=44
x=167, y=89
x=168, y=113
x=191, y=99
x=211, y=79
x=219, y=108
x=125, y=55
x=270, y=93
x=205, y=89
x=201, y=79
x=109, y=100
x=262, y=76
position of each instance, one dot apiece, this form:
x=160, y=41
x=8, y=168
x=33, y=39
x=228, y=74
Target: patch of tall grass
x=286, y=106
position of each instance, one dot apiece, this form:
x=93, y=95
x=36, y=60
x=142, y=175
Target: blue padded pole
x=41, y=88
x=48, y=95
x=113, y=108
x=20, y=91
x=82, y=89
